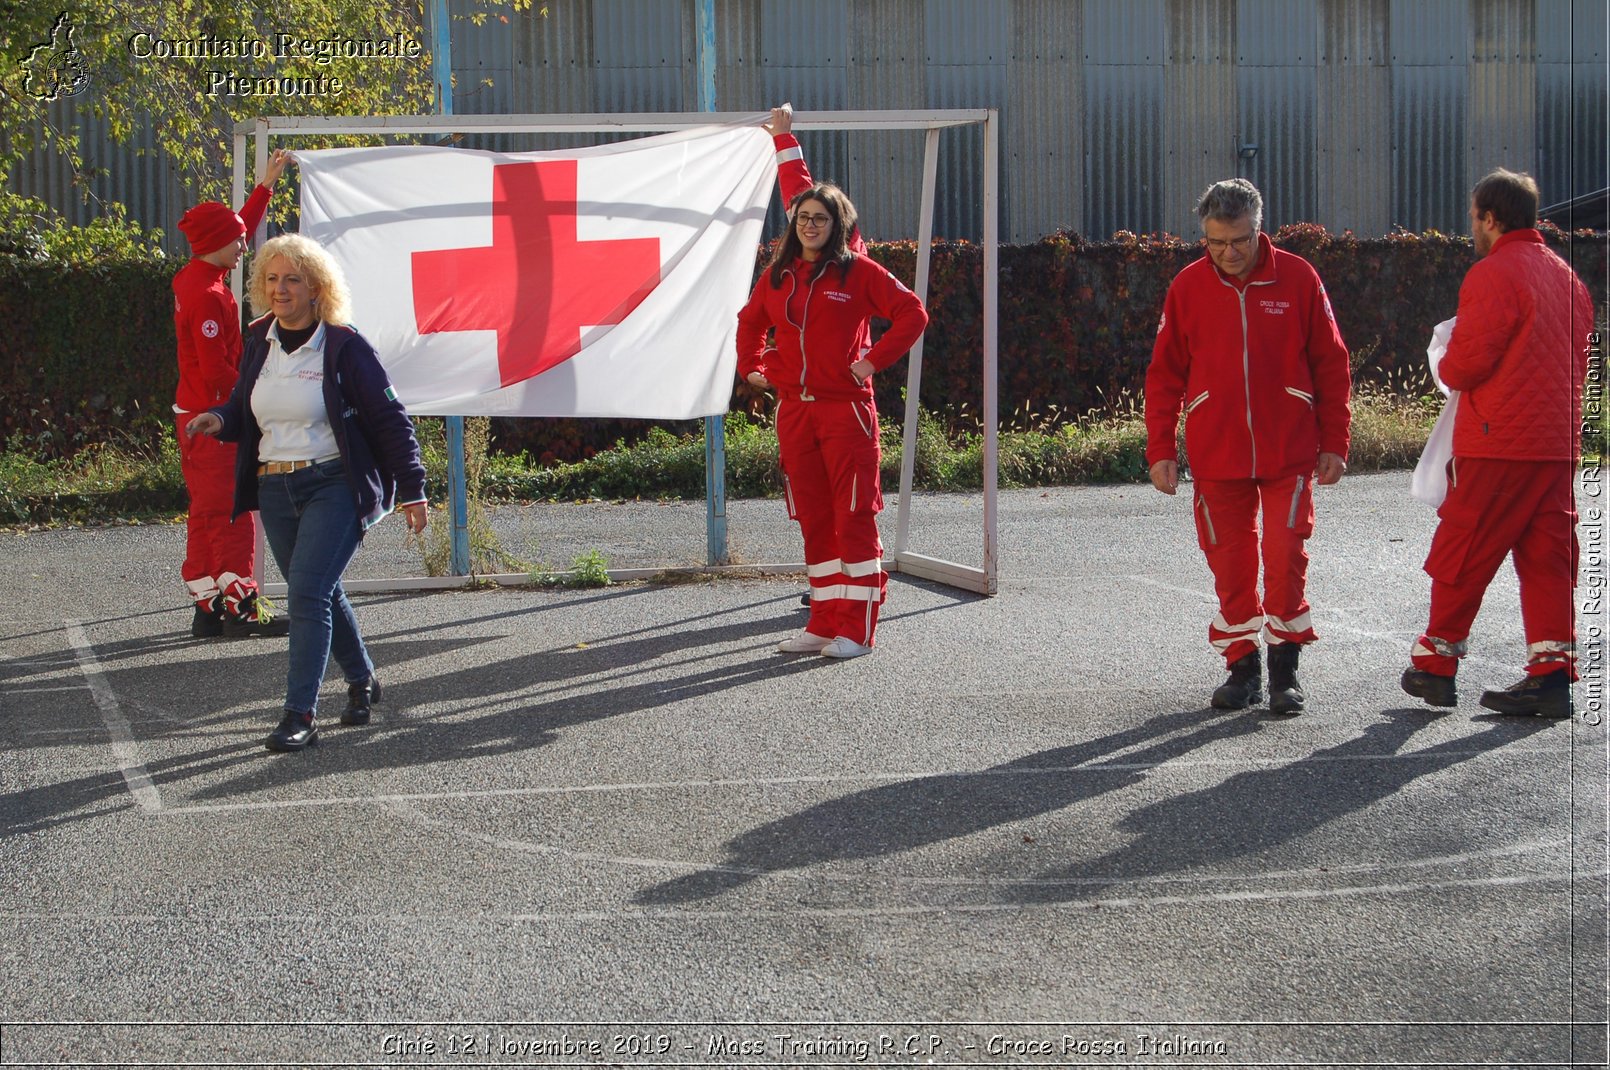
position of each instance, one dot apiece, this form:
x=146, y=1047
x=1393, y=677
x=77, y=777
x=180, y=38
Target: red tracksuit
x=1518, y=356
x=827, y=423
x=1261, y=373
x=219, y=556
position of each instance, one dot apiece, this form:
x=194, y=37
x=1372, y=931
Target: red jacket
x=1519, y=354
x=819, y=339
x=1259, y=368
x=206, y=320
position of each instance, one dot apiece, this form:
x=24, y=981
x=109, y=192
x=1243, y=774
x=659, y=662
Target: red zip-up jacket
x=206, y=320
x=1259, y=368
x=820, y=318
x=1519, y=354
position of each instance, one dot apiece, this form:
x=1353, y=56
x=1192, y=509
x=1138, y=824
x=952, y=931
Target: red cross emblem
x=536, y=284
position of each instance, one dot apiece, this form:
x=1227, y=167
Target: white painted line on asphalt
x=678, y=914
x=504, y=844
x=835, y=778
x=1328, y=619
x=124, y=748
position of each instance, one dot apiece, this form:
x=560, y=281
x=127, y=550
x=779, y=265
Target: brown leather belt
x=275, y=468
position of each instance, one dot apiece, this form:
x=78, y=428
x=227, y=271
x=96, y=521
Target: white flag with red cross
x=603, y=281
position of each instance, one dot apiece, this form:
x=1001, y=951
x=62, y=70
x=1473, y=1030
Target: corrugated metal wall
x=1200, y=122
x=885, y=70
x=1042, y=163
x=1430, y=42
x=137, y=175
x=1353, y=143
x=1571, y=97
x=1115, y=114
x=1125, y=56
x=968, y=46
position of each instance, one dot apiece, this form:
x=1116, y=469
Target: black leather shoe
x=1436, y=690
x=295, y=731
x=1548, y=695
x=1244, y=687
x=1285, y=690
x=359, y=696
x=206, y=624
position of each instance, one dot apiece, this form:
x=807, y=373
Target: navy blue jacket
x=371, y=427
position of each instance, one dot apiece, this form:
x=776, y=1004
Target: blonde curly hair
x=332, y=301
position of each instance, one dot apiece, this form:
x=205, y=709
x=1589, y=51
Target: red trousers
x=218, y=554
x=1495, y=508
x=830, y=456
x=1228, y=532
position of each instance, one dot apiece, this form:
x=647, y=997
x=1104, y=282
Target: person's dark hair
x=1229, y=200
x=1511, y=197
x=837, y=251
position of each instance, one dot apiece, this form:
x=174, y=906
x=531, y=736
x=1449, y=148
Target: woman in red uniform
x=817, y=295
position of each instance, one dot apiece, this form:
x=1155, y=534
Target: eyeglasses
x=1240, y=245
x=813, y=220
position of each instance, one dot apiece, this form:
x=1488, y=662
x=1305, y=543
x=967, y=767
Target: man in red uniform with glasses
x=1248, y=349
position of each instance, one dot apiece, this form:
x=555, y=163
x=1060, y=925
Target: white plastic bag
x=1429, y=483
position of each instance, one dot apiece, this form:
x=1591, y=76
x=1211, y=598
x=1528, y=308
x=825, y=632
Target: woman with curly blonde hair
x=325, y=449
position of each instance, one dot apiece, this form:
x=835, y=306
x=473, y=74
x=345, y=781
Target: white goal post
x=981, y=580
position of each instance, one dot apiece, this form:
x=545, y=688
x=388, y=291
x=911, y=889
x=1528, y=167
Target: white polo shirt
x=288, y=402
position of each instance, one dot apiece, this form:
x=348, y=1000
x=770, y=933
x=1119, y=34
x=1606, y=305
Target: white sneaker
x=803, y=643
x=843, y=647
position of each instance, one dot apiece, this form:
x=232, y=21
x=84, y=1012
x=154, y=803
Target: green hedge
x=1077, y=318
x=87, y=354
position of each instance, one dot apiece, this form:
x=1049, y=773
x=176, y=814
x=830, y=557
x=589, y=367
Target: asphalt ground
x=614, y=827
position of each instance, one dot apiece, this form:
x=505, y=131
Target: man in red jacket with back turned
x=219, y=556
x=1518, y=357
x=1248, y=347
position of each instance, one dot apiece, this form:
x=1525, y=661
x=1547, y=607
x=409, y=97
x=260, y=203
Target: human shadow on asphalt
x=900, y=817
x=1254, y=813
x=58, y=629
x=509, y=615
x=638, y=670
x=30, y=810
x=207, y=696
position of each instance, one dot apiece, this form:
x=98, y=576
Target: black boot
x=359, y=696
x=1285, y=690
x=1436, y=690
x=1245, y=685
x=295, y=731
x=207, y=623
x=1548, y=695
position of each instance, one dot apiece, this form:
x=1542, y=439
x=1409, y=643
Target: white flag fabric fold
x=1430, y=480
x=600, y=282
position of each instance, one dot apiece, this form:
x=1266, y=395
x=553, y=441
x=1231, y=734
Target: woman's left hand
x=415, y=516
x=862, y=370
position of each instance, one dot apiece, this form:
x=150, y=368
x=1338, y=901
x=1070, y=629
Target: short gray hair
x=1232, y=199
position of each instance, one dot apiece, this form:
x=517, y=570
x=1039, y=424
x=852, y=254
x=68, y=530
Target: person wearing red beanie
x=219, y=555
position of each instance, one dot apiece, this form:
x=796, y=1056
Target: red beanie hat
x=210, y=226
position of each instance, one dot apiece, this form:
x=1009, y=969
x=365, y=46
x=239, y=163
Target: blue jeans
x=312, y=528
